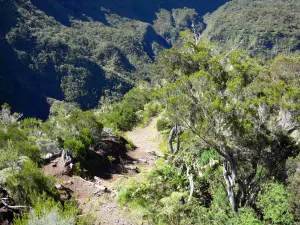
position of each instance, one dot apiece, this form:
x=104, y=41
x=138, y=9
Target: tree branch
x=190, y=177
x=16, y=207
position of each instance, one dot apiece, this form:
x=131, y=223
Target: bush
x=273, y=201
x=77, y=148
x=149, y=195
x=46, y=210
x=206, y=156
x=163, y=124
x=122, y=117
x=30, y=181
x=129, y=146
x=85, y=136
x=52, y=217
x=164, y=146
x=151, y=109
x=78, y=170
x=31, y=151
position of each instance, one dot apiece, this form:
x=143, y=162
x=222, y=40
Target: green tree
x=245, y=124
x=77, y=148
x=9, y=157
x=273, y=201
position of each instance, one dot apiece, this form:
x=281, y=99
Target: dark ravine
x=78, y=50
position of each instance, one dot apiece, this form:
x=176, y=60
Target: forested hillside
x=223, y=94
x=81, y=50
x=230, y=153
x=264, y=27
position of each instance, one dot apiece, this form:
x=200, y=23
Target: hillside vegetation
x=227, y=111
x=80, y=50
x=230, y=128
x=264, y=27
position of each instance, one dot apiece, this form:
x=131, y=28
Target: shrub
x=46, y=210
x=85, y=136
x=122, y=117
x=273, y=201
x=206, y=156
x=78, y=170
x=28, y=181
x=52, y=217
x=163, y=124
x=164, y=146
x=149, y=195
x=151, y=109
x=129, y=146
x=31, y=151
x=77, y=147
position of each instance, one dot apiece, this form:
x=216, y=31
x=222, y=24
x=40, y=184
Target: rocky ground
x=97, y=197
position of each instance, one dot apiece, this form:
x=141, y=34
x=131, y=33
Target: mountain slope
x=264, y=27
x=79, y=50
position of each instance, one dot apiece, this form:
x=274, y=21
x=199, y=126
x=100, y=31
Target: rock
x=68, y=182
x=49, y=156
x=132, y=167
x=101, y=188
x=97, y=179
x=65, y=193
x=143, y=160
x=58, y=186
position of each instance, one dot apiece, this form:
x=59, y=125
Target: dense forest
x=81, y=50
x=225, y=92
x=264, y=28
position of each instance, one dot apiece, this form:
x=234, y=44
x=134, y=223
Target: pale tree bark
x=196, y=34
x=13, y=207
x=246, y=189
x=229, y=174
x=190, y=177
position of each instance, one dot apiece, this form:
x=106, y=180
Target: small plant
x=77, y=147
x=163, y=124
x=151, y=109
x=78, y=170
x=111, y=158
x=129, y=145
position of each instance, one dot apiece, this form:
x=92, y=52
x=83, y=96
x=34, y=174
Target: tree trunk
x=190, y=177
x=174, y=131
x=171, y=137
x=247, y=188
x=230, y=176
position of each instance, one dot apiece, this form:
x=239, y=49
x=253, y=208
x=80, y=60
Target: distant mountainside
x=264, y=27
x=80, y=50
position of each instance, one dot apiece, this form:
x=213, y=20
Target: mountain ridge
x=81, y=50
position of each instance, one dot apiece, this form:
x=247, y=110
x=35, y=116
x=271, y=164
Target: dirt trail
x=101, y=204
x=146, y=140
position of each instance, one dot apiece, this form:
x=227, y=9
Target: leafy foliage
x=20, y=155
x=30, y=181
x=137, y=106
x=238, y=119
x=84, y=50
x=264, y=27
x=163, y=124
x=274, y=202
x=47, y=211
